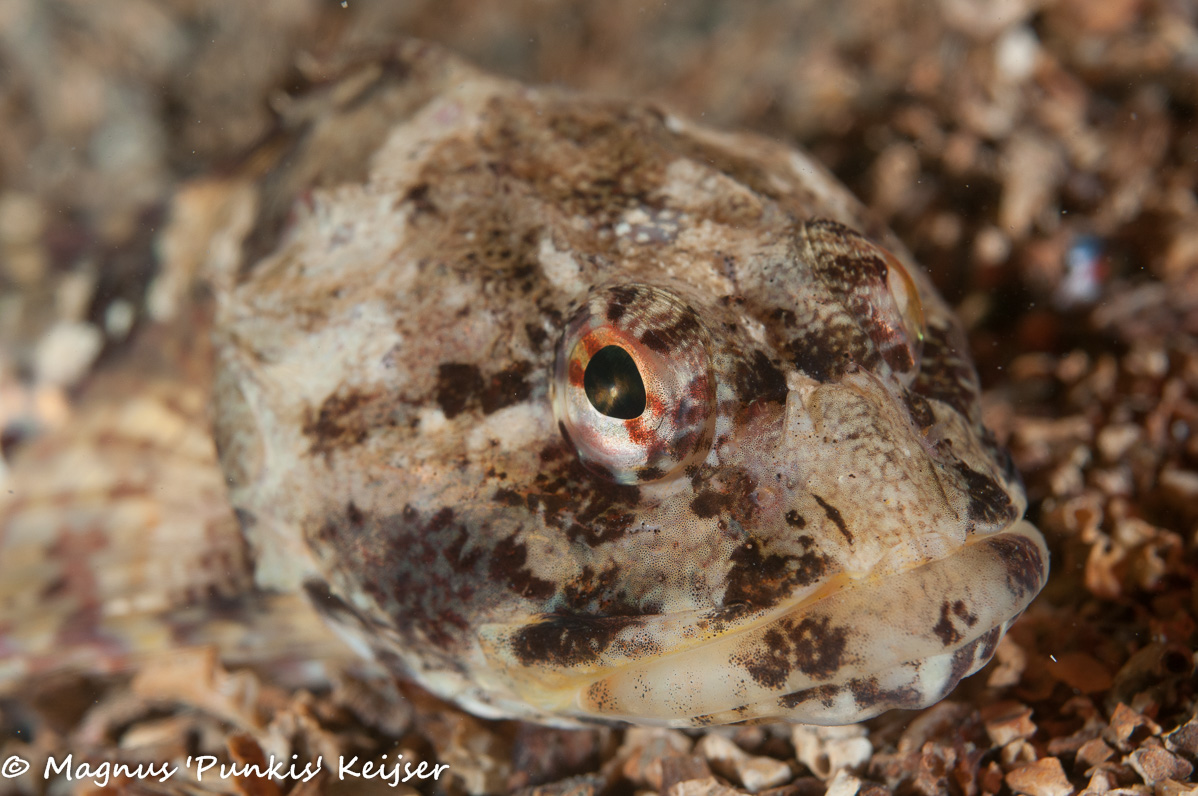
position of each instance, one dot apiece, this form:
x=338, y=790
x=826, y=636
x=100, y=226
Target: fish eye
x=613, y=384
x=633, y=387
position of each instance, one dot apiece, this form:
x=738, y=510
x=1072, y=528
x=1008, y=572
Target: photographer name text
x=348, y=767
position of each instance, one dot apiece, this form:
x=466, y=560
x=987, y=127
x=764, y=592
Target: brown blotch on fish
x=868, y=692
x=818, y=646
x=744, y=170
x=649, y=473
x=387, y=549
x=945, y=373
x=976, y=653
x=418, y=197
x=811, y=645
x=919, y=408
x=508, y=565
x=834, y=515
x=761, y=581
x=339, y=423
x=620, y=298
x=1025, y=568
x=458, y=385
x=757, y=379
x=825, y=694
x=784, y=316
x=770, y=667
x=988, y=502
x=946, y=629
x=462, y=386
x=568, y=640
x=989, y=641
x=613, y=151
x=600, y=593
x=664, y=339
x=818, y=355
x=590, y=508
x=508, y=386
x=330, y=605
x=460, y=557
x=537, y=335
x=723, y=493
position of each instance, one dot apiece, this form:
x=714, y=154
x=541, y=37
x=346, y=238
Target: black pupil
x=614, y=384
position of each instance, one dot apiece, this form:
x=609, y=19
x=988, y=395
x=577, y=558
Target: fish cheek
x=418, y=569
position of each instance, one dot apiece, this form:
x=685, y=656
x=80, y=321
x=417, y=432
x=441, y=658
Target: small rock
x=843, y=784
x=246, y=753
x=549, y=754
x=1102, y=569
x=1093, y=752
x=1042, y=778
x=1108, y=17
x=1179, y=486
x=928, y=725
x=66, y=353
x=164, y=738
x=1114, y=441
x=984, y=20
x=374, y=701
x=118, y=319
x=990, y=777
x=1101, y=781
x=1171, y=788
x=478, y=754
x=1017, y=753
x=22, y=225
x=1184, y=739
x=1008, y=721
x=728, y=759
x=585, y=785
x=1011, y=662
x=1155, y=764
x=682, y=769
x=643, y=750
x=991, y=247
x=813, y=786
x=1032, y=167
x=934, y=772
x=74, y=293
x=827, y=750
x=1015, y=53
x=1128, y=728
x=197, y=678
x=702, y=787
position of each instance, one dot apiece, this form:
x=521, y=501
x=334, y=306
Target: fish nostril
x=764, y=497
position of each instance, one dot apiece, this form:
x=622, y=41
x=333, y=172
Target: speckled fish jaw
x=830, y=659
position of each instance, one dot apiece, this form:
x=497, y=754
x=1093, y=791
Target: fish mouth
x=856, y=648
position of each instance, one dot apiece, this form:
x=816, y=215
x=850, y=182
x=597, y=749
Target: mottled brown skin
x=395, y=347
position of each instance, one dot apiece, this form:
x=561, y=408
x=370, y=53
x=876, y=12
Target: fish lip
x=860, y=641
